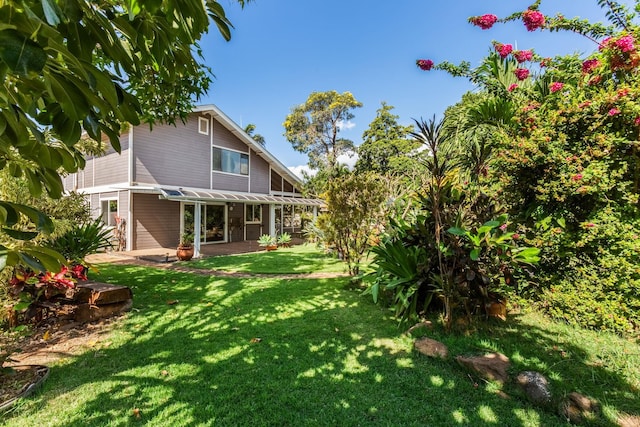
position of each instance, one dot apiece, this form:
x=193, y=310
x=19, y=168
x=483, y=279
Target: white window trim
x=205, y=121
x=109, y=199
x=235, y=151
x=246, y=205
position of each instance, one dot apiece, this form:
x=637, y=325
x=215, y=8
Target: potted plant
x=269, y=242
x=185, y=248
x=284, y=240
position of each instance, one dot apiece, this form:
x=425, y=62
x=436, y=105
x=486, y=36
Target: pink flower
x=556, y=86
x=623, y=92
x=576, y=177
x=530, y=107
x=503, y=227
x=614, y=111
x=625, y=44
x=424, y=64
x=485, y=21
x=523, y=55
x=589, y=225
x=515, y=236
x=584, y=104
x=512, y=87
x=590, y=65
x=521, y=73
x=533, y=19
x=605, y=43
x=503, y=49
x=637, y=121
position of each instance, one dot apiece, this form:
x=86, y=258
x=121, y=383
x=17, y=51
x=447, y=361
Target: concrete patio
x=169, y=254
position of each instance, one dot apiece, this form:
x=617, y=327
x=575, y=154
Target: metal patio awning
x=219, y=196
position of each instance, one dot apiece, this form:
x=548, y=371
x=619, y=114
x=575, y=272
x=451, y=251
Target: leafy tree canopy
x=387, y=146
x=313, y=127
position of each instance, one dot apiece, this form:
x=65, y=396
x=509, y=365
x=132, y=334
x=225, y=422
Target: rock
x=493, y=366
x=578, y=408
x=431, y=348
x=535, y=386
x=626, y=420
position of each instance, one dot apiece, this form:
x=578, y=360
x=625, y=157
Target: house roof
x=221, y=196
x=235, y=129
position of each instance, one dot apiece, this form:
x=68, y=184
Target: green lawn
x=307, y=352
x=300, y=259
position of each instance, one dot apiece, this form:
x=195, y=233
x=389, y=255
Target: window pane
x=217, y=159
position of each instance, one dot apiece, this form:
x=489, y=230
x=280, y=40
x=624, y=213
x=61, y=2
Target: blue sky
x=283, y=50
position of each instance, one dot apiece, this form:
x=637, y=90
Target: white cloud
x=298, y=170
x=348, y=159
x=345, y=125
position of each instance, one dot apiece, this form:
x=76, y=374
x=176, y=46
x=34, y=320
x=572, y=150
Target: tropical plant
x=284, y=239
x=82, y=240
x=267, y=240
x=186, y=240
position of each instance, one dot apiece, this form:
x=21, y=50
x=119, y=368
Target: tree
x=250, y=129
x=313, y=127
x=93, y=68
x=356, y=211
x=386, y=146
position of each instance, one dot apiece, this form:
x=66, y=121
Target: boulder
x=578, y=408
x=493, y=366
x=431, y=348
x=535, y=387
x=626, y=420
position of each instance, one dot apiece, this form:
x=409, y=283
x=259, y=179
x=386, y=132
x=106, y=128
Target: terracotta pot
x=272, y=247
x=184, y=253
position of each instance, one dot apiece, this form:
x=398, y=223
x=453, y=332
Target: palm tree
x=250, y=129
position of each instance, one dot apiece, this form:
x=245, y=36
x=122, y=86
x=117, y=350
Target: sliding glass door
x=212, y=222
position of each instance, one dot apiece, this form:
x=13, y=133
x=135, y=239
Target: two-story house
x=206, y=177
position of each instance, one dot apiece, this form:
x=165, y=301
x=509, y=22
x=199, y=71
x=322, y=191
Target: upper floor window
x=230, y=161
x=203, y=125
x=109, y=210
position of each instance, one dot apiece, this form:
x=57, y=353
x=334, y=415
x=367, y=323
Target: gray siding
x=156, y=223
x=222, y=137
x=228, y=182
x=173, y=155
x=110, y=169
x=259, y=174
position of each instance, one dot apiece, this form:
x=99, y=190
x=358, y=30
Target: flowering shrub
x=568, y=168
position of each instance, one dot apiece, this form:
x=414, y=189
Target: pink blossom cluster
x=614, y=111
x=523, y=55
x=556, y=86
x=589, y=65
x=521, y=73
x=485, y=21
x=512, y=87
x=424, y=64
x=533, y=19
x=503, y=49
x=623, y=44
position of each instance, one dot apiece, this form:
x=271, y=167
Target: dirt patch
x=48, y=344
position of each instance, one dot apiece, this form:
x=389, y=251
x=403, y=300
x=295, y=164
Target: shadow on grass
x=288, y=353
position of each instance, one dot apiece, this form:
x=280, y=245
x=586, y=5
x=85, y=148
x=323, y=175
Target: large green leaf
x=21, y=54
